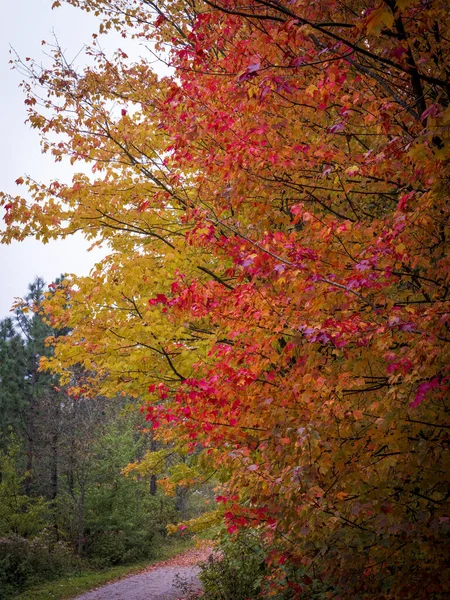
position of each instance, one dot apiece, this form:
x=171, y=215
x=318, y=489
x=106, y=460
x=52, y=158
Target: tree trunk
x=180, y=502
x=80, y=521
x=54, y=469
x=153, y=484
x=30, y=449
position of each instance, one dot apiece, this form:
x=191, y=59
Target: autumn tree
x=277, y=284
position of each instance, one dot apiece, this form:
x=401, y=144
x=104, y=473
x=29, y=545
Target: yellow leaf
x=402, y=4
x=351, y=171
x=378, y=18
x=341, y=495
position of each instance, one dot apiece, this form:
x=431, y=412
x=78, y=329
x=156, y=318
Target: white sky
x=23, y=25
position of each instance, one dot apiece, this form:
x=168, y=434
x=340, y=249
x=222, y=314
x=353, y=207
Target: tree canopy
x=276, y=293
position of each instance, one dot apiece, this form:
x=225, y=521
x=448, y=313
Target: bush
x=110, y=548
x=25, y=562
x=237, y=572
x=123, y=523
x=107, y=549
x=20, y=515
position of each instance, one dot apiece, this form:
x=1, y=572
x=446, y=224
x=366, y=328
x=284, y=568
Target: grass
x=73, y=585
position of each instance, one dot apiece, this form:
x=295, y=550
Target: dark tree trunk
x=153, y=484
x=180, y=502
x=30, y=448
x=54, y=468
x=80, y=524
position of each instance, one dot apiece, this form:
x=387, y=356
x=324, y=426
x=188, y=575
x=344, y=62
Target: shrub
x=25, y=562
x=20, y=514
x=236, y=572
x=110, y=548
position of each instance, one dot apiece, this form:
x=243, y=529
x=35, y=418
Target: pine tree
x=12, y=382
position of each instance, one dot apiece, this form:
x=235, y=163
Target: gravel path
x=157, y=582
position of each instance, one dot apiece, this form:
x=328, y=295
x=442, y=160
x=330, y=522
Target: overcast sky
x=23, y=25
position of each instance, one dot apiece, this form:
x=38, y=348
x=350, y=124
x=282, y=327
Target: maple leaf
x=250, y=71
x=423, y=389
x=379, y=18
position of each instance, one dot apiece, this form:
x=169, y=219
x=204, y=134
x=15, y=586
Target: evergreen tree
x=13, y=399
x=37, y=384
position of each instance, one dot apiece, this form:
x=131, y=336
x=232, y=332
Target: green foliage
x=65, y=502
x=123, y=521
x=237, y=572
x=243, y=569
x=25, y=562
x=79, y=582
x=19, y=514
x=12, y=381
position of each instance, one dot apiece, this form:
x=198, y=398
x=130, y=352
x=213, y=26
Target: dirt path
x=157, y=582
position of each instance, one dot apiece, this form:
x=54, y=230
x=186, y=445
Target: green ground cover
x=71, y=586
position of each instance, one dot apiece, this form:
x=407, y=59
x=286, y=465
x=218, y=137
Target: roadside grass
x=73, y=585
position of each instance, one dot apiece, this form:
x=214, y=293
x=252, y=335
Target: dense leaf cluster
x=277, y=285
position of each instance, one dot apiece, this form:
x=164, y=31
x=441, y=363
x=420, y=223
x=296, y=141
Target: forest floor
x=170, y=579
